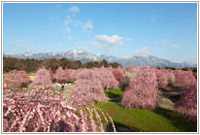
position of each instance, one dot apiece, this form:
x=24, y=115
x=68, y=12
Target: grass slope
x=160, y=120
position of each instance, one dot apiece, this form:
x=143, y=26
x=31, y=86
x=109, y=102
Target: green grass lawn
x=115, y=95
x=159, y=120
x=138, y=120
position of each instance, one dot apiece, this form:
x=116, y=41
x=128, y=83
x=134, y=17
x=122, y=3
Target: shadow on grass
x=177, y=120
x=121, y=128
x=114, y=97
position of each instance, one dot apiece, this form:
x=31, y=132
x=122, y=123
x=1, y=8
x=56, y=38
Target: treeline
x=32, y=65
x=194, y=69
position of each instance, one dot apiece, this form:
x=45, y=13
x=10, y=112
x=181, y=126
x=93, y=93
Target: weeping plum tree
x=129, y=75
x=183, y=78
x=45, y=111
x=103, y=75
x=16, y=79
x=87, y=92
x=70, y=73
x=61, y=76
x=187, y=105
x=162, y=78
x=42, y=80
x=118, y=74
x=142, y=92
x=108, y=80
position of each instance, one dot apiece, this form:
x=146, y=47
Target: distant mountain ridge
x=83, y=56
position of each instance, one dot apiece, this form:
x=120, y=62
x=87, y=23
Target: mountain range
x=84, y=56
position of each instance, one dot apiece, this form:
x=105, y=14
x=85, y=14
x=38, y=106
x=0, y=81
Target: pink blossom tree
x=71, y=75
x=162, y=78
x=143, y=91
x=187, y=105
x=183, y=78
x=103, y=75
x=88, y=92
x=42, y=80
x=44, y=111
x=107, y=78
x=129, y=75
x=61, y=76
x=119, y=75
x=16, y=79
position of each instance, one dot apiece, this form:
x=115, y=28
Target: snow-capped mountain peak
x=84, y=56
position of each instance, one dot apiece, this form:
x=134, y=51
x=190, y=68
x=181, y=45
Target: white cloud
x=106, y=42
x=68, y=20
x=176, y=46
x=142, y=51
x=68, y=30
x=74, y=9
x=71, y=21
x=21, y=44
x=109, y=40
x=161, y=42
x=88, y=25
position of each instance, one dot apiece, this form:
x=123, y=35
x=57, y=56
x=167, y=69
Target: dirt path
x=67, y=91
x=169, y=97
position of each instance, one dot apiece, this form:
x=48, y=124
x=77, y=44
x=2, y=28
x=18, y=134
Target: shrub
x=42, y=80
x=187, y=105
x=142, y=92
x=16, y=79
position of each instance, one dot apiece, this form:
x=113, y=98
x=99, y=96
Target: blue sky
x=165, y=30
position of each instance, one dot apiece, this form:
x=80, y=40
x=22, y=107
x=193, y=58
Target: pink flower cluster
x=16, y=79
x=43, y=80
x=187, y=105
x=143, y=90
x=90, y=85
x=104, y=75
x=183, y=78
x=87, y=92
x=119, y=75
x=64, y=76
x=44, y=111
